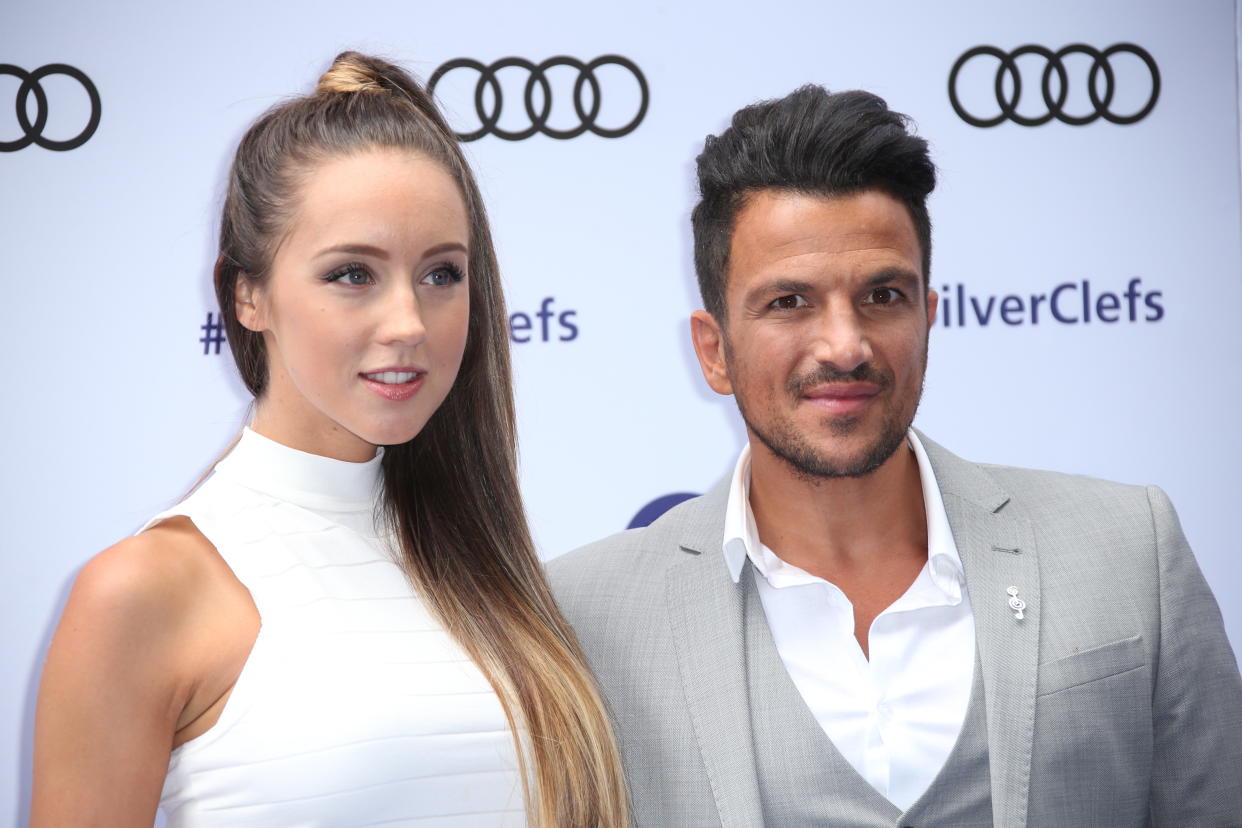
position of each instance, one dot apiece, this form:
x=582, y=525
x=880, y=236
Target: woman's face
x=366, y=308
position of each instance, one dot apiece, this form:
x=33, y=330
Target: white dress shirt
x=896, y=717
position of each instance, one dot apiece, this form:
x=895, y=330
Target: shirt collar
x=741, y=538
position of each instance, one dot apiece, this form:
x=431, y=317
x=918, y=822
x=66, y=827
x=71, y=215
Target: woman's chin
x=393, y=435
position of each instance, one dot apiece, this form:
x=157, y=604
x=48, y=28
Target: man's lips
x=842, y=397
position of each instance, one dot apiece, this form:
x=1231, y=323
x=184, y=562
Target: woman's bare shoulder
x=155, y=632
x=155, y=575
x=161, y=609
x=166, y=597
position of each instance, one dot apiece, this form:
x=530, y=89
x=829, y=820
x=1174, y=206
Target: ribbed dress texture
x=354, y=707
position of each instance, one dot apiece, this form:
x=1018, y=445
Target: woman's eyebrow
x=381, y=253
x=356, y=249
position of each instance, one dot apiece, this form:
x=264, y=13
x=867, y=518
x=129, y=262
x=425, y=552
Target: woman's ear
x=248, y=304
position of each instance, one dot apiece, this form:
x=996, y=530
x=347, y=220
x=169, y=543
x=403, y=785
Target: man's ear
x=709, y=347
x=933, y=305
x=248, y=304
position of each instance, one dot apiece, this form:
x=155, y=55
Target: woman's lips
x=394, y=384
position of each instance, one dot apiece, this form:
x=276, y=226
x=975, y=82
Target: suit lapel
x=706, y=616
x=998, y=552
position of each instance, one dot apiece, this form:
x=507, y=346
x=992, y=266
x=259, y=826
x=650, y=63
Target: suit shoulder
x=1063, y=484
x=1088, y=503
x=1037, y=493
x=596, y=560
x=633, y=554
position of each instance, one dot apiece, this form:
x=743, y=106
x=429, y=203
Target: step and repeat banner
x=1088, y=248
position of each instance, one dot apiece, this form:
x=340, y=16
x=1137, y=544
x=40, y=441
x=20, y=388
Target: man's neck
x=840, y=528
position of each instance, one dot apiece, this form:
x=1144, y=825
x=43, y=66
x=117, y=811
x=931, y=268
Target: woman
x=256, y=655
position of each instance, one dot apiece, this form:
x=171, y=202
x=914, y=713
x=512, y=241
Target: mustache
x=827, y=374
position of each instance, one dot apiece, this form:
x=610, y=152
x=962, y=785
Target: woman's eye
x=351, y=275
x=793, y=300
x=444, y=275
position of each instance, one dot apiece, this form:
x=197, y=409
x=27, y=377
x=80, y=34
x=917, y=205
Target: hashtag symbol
x=213, y=333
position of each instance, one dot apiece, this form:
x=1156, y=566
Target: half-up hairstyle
x=451, y=494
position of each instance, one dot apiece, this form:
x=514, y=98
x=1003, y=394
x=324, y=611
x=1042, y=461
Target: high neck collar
x=310, y=480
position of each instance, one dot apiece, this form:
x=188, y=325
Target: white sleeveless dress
x=354, y=707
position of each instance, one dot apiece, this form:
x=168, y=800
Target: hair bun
x=352, y=72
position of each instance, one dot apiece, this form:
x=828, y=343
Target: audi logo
x=32, y=131
x=539, y=106
x=1101, y=84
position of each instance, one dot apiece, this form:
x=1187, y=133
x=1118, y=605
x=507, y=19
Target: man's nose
x=841, y=338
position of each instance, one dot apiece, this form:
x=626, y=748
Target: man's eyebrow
x=888, y=275
x=894, y=274
x=781, y=286
x=382, y=254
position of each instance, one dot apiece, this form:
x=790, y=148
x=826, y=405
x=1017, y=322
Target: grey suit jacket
x=1116, y=700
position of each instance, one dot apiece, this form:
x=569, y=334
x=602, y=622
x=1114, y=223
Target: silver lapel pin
x=1015, y=603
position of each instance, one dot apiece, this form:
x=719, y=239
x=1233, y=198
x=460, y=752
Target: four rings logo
x=32, y=131
x=1101, y=84
x=539, y=105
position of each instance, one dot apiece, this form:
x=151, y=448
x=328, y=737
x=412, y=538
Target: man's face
x=827, y=319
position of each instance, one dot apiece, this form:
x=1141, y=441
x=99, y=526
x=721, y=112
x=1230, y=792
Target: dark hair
x=451, y=494
x=811, y=141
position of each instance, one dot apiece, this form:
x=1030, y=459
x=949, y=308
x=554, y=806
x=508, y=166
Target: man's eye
x=793, y=300
x=883, y=296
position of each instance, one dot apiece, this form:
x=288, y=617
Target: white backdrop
x=112, y=409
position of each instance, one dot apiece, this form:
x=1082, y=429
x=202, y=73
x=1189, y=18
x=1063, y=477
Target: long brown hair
x=451, y=494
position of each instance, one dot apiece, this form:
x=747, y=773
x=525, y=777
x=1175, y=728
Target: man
x=858, y=627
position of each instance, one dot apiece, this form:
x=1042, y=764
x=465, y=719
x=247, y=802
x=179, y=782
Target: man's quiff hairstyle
x=813, y=142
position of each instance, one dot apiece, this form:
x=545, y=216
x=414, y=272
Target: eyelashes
x=446, y=274
x=350, y=273
x=357, y=274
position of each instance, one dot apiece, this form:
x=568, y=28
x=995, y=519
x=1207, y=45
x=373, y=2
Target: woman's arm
x=152, y=638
